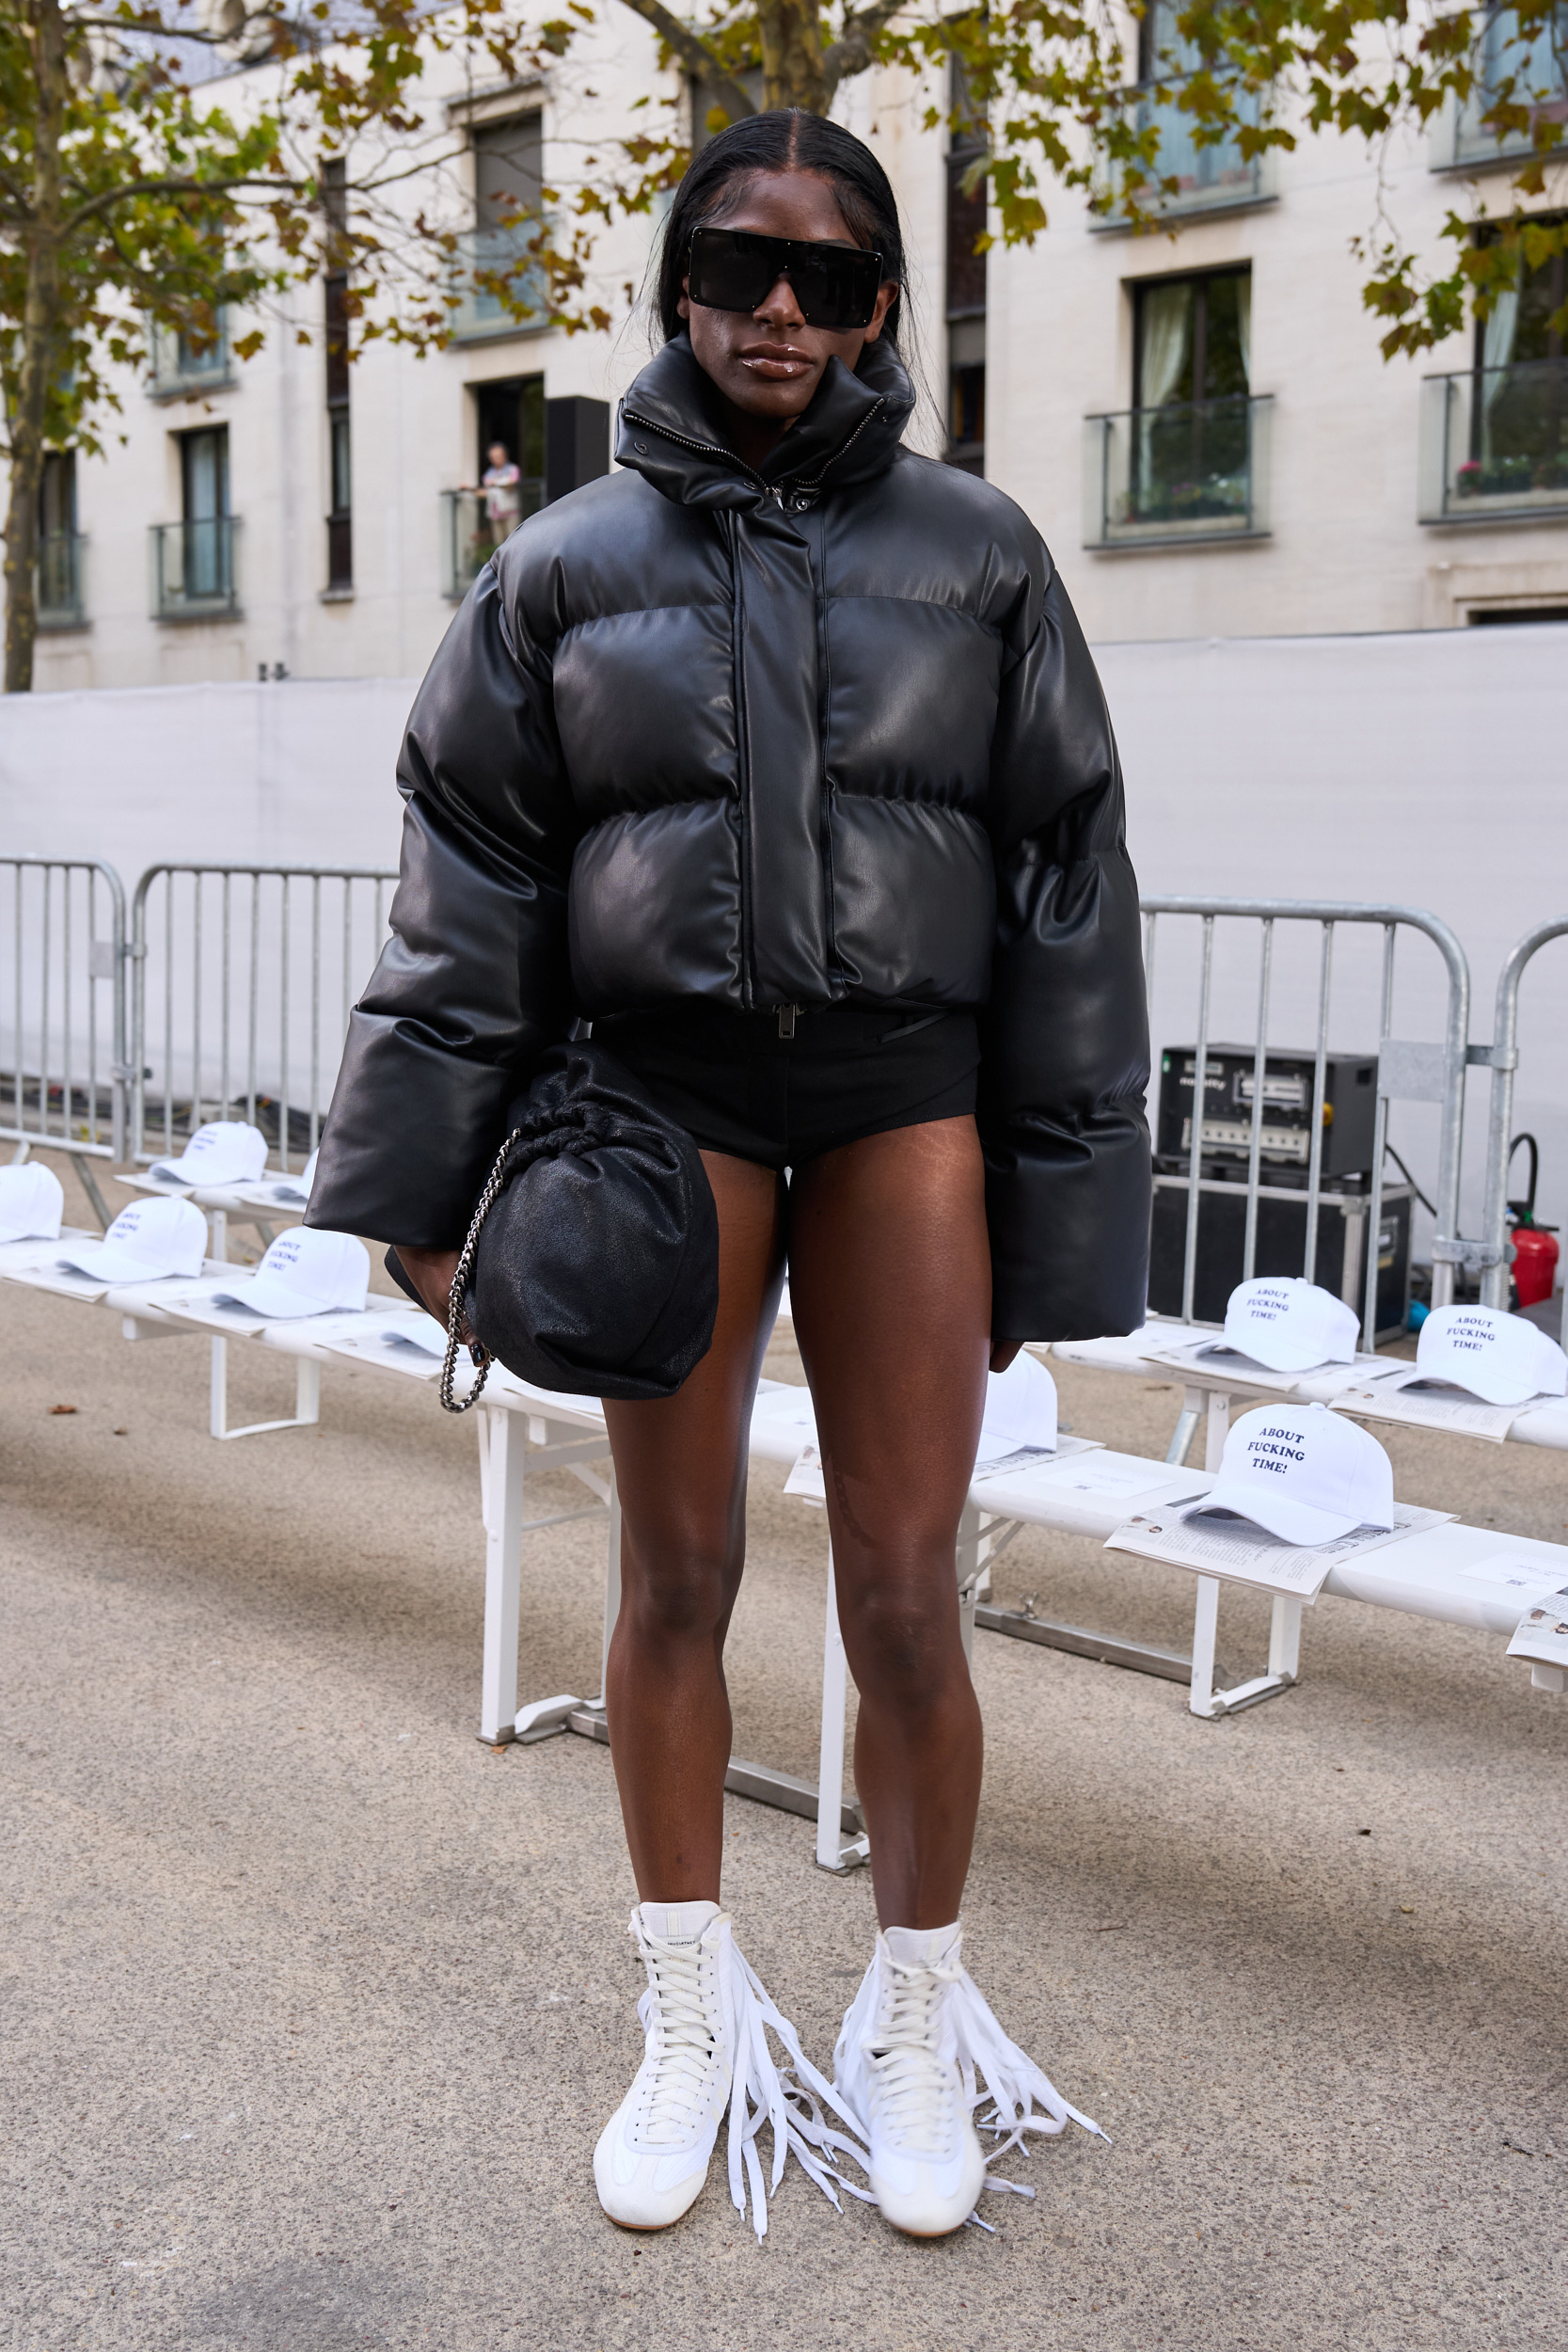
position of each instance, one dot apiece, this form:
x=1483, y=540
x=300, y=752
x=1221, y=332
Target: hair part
x=787, y=139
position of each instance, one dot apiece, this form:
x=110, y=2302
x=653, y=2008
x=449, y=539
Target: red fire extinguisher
x=1535, y=1250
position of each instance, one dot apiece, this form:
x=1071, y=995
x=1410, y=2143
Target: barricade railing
x=62, y=1009
x=1504, y=1060
x=244, y=977
x=1407, y=1071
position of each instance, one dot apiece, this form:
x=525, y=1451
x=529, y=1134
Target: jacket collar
x=670, y=432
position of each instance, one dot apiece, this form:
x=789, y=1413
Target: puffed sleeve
x=1065, y=1060
x=474, y=982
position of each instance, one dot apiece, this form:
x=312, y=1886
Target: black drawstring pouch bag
x=592, y=1263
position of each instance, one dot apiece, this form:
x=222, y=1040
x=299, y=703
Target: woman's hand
x=1000, y=1355
x=431, y=1272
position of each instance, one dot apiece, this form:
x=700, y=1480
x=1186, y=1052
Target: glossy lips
x=734, y=269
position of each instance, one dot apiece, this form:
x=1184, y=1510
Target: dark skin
x=890, y=1283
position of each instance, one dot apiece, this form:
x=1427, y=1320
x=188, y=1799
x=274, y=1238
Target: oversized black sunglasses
x=835, y=285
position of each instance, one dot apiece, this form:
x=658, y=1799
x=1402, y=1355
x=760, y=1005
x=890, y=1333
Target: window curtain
x=1167, y=325
x=1497, y=351
x=1244, y=323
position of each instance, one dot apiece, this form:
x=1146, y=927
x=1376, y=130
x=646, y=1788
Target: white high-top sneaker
x=653, y=2154
x=899, y=2053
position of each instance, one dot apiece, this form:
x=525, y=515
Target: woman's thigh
x=890, y=1284
x=680, y=1462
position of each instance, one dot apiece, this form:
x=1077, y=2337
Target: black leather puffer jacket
x=828, y=732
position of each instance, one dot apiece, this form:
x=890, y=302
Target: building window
x=1494, y=439
x=509, y=182
x=60, y=600
x=1189, y=459
x=194, y=570
x=1207, y=178
x=187, y=360
x=1535, y=63
x=966, y=288
x=340, y=520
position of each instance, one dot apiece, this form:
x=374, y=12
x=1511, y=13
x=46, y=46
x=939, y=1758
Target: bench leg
x=502, y=1489
x=835, y=1852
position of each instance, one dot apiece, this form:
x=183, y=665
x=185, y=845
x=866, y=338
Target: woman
x=779, y=756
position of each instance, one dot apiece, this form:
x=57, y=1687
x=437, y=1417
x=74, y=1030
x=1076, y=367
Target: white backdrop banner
x=1426, y=767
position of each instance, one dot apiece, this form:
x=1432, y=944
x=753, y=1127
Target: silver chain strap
x=459, y=1288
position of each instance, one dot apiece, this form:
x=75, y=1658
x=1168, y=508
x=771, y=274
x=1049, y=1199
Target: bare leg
x=890, y=1283
x=680, y=1466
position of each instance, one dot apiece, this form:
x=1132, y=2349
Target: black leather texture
x=826, y=733
x=597, y=1269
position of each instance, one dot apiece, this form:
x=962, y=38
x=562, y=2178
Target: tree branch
x=111, y=196
x=851, y=53
x=695, y=55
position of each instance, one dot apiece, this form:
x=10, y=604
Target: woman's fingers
x=1002, y=1353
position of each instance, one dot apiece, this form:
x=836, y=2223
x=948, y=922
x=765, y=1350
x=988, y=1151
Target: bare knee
x=678, y=1585
x=902, y=1638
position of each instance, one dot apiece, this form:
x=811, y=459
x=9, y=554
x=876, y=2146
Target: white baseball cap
x=305, y=1273
x=1503, y=1357
x=1291, y=1325
x=148, y=1240
x=32, y=1203
x=224, y=1152
x=1020, y=1410
x=1306, y=1474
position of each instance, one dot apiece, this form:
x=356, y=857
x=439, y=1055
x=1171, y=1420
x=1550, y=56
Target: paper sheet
x=1518, y=1572
x=1542, y=1636
x=1245, y=1554
x=1420, y=1403
x=1212, y=1358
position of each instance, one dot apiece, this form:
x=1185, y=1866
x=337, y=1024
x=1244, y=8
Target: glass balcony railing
x=1494, y=444
x=490, y=263
x=194, y=575
x=61, y=580
x=474, y=523
x=1190, y=471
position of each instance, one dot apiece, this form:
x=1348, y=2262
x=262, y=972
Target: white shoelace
x=808, y=2118
x=686, y=2043
x=915, y=2084
x=1018, y=2099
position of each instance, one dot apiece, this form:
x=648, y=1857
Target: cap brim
x=1271, y=1348
x=103, y=1265
x=28, y=1232
x=1491, y=1386
x=1278, y=1514
x=266, y=1295
x=170, y=1173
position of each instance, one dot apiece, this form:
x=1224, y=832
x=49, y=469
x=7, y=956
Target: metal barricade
x=1504, y=1058
x=236, y=968
x=1407, y=1071
x=62, y=1040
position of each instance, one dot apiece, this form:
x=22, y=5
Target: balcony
x=182, y=365
x=471, y=533
x=1189, y=474
x=488, y=263
x=193, y=569
x=1494, y=445
x=61, y=580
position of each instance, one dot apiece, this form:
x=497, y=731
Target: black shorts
x=737, y=1085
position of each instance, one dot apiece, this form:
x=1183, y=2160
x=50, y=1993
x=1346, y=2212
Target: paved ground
x=314, y=2007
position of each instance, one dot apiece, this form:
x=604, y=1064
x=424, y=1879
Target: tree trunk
x=42, y=261
x=792, y=56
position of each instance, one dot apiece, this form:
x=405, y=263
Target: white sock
x=678, y=1922
x=921, y=1947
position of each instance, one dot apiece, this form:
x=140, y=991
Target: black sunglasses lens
x=834, y=285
